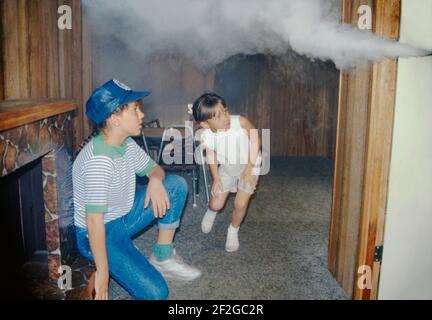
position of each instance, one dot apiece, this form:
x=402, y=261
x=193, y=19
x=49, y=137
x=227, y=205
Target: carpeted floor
x=283, y=241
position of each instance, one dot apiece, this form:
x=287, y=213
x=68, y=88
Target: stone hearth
x=30, y=130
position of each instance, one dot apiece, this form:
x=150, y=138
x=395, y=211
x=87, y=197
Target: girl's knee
x=240, y=205
x=216, y=206
x=218, y=202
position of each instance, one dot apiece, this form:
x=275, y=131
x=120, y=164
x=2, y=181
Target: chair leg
x=206, y=187
x=204, y=171
x=193, y=186
x=146, y=149
x=197, y=179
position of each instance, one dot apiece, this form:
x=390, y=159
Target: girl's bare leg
x=241, y=204
x=216, y=204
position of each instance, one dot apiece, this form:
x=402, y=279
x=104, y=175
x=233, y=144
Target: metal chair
x=153, y=148
x=152, y=124
x=180, y=153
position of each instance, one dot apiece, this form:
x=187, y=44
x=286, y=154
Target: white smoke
x=209, y=31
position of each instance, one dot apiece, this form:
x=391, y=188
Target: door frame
x=362, y=159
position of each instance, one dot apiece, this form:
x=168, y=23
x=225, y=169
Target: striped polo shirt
x=104, y=178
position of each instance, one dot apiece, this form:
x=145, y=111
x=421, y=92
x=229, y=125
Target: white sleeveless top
x=231, y=146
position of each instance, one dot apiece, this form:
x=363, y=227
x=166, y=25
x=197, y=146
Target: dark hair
x=203, y=107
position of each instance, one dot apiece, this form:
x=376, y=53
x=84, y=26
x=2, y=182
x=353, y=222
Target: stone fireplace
x=40, y=134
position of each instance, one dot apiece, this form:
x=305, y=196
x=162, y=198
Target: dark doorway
x=23, y=226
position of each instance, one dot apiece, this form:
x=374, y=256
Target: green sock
x=163, y=251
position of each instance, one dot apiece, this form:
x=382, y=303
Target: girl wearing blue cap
x=109, y=211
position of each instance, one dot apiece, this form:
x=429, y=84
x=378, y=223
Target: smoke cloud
x=209, y=31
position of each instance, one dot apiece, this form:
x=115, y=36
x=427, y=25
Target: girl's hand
x=158, y=196
x=101, y=285
x=217, y=187
x=249, y=179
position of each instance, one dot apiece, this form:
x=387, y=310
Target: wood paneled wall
x=174, y=82
x=292, y=96
x=40, y=61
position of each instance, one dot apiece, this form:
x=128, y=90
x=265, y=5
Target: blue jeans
x=127, y=265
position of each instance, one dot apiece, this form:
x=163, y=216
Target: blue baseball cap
x=108, y=97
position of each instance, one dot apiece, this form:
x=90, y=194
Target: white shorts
x=231, y=179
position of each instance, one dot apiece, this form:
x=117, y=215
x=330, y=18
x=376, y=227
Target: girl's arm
x=96, y=234
x=253, y=135
x=213, y=165
x=212, y=162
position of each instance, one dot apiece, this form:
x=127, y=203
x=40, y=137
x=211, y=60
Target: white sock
x=232, y=243
x=207, y=221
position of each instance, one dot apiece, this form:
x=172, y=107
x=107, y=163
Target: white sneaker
x=208, y=220
x=175, y=268
x=232, y=243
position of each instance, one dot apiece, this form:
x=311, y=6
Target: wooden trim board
x=15, y=113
